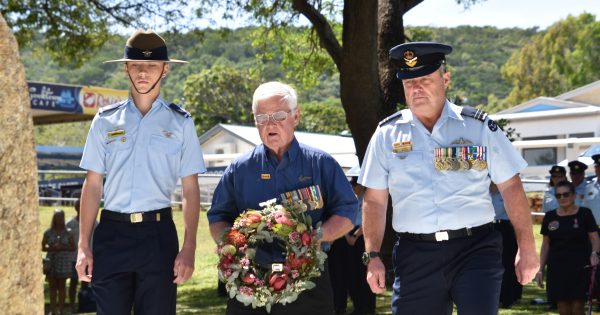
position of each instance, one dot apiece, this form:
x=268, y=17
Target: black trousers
x=133, y=267
x=431, y=276
x=316, y=301
x=349, y=276
x=511, y=289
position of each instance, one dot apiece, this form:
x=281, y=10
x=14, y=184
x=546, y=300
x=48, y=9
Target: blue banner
x=56, y=97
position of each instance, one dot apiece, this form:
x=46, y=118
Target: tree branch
x=409, y=4
x=327, y=38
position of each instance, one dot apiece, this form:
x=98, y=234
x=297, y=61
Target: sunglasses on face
x=563, y=195
x=262, y=119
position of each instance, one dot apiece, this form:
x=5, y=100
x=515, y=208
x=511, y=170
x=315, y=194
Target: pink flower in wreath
x=306, y=239
x=245, y=261
x=282, y=218
x=295, y=274
x=246, y=290
x=294, y=237
x=252, y=218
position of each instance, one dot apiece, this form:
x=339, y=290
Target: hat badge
x=147, y=53
x=409, y=58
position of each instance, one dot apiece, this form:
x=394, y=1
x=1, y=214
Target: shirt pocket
x=170, y=146
x=406, y=170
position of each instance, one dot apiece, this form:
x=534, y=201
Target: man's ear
x=165, y=70
x=296, y=116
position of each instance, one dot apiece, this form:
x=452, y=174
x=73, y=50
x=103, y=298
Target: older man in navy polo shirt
x=279, y=165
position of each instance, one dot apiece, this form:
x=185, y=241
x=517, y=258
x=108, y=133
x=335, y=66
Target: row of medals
x=447, y=160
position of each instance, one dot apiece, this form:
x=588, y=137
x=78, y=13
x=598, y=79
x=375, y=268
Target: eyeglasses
x=563, y=195
x=262, y=119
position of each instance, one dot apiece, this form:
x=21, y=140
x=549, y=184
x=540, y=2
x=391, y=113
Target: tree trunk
x=21, y=290
x=359, y=77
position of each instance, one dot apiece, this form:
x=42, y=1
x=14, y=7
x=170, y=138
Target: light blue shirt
x=550, y=203
x=581, y=191
x=142, y=156
x=498, y=203
x=592, y=198
x=424, y=199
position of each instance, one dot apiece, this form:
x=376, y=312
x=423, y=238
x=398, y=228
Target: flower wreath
x=251, y=283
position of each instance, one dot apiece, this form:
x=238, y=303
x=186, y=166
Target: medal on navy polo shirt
x=310, y=196
x=575, y=224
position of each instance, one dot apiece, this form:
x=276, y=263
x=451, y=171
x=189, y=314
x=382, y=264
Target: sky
x=499, y=13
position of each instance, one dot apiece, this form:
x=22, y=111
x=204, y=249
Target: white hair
x=269, y=89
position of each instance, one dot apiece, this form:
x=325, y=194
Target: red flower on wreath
x=277, y=281
x=236, y=238
x=296, y=262
x=249, y=278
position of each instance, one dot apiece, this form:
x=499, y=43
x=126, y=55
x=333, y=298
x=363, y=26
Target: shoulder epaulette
x=473, y=112
x=390, y=118
x=178, y=109
x=111, y=107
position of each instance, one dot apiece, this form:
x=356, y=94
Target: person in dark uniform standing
x=144, y=146
x=277, y=166
x=436, y=159
x=511, y=290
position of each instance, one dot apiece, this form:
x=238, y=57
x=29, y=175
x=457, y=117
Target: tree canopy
x=562, y=58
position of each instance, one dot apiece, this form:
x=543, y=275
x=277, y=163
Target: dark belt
x=500, y=221
x=447, y=235
x=148, y=216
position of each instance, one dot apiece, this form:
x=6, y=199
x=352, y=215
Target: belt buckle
x=136, y=217
x=441, y=236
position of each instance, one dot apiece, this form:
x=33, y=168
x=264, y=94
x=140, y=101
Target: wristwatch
x=366, y=257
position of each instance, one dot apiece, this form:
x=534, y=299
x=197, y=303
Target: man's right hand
x=376, y=275
x=85, y=264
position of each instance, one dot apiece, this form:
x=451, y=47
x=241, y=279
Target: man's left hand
x=526, y=266
x=184, y=265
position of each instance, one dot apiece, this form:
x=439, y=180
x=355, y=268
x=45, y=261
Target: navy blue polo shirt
x=258, y=176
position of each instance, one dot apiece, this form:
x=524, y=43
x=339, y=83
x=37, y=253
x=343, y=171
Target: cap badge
x=409, y=58
x=147, y=53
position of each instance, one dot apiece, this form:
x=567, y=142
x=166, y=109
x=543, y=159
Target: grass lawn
x=199, y=294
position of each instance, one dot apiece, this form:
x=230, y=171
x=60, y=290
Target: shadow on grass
x=195, y=300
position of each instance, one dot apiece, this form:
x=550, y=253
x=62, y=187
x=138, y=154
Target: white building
x=553, y=130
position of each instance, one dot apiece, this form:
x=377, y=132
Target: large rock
x=21, y=278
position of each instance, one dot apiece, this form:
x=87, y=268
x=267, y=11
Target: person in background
x=511, y=290
x=592, y=195
x=557, y=174
x=59, y=245
x=348, y=273
x=577, y=174
x=565, y=250
x=73, y=228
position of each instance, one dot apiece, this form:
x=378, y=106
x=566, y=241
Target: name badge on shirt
x=310, y=196
x=115, y=133
x=402, y=146
x=265, y=176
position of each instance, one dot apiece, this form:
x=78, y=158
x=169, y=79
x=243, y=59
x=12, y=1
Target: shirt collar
x=449, y=111
x=158, y=103
x=291, y=153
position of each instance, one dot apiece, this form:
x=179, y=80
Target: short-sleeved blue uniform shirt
x=143, y=156
x=549, y=203
x=425, y=199
x=258, y=176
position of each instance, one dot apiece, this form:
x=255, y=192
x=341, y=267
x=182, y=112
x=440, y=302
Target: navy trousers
x=431, y=276
x=316, y=301
x=133, y=267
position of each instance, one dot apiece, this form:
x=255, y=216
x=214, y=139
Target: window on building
x=540, y=138
x=581, y=135
x=540, y=156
